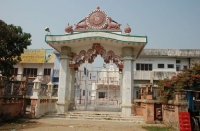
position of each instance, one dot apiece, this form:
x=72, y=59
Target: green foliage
x=186, y=78
x=13, y=41
x=157, y=128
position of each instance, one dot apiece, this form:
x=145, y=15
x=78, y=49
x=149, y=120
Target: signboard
x=38, y=56
x=33, y=56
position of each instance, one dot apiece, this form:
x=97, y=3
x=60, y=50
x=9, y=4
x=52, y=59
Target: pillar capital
x=127, y=52
x=65, y=57
x=65, y=50
x=128, y=58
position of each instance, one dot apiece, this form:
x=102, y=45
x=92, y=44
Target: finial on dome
x=127, y=29
x=68, y=28
x=98, y=7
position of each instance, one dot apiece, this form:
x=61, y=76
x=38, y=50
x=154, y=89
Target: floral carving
x=92, y=53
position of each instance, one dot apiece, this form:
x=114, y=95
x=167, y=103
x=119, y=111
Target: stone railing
x=153, y=75
x=155, y=111
x=15, y=94
x=172, y=108
x=30, y=78
x=42, y=101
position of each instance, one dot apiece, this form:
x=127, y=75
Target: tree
x=186, y=79
x=13, y=41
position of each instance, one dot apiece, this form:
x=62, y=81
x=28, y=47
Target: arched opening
x=98, y=84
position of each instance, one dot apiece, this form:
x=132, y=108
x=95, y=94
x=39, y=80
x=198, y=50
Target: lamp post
x=36, y=87
x=50, y=88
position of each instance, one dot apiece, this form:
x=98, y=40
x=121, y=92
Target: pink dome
x=68, y=29
x=127, y=29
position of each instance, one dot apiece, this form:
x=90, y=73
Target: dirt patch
x=18, y=124
x=61, y=124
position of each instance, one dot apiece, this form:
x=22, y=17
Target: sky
x=168, y=24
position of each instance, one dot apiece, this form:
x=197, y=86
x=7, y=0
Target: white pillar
x=41, y=71
x=127, y=81
x=36, y=89
x=120, y=84
x=133, y=89
x=20, y=72
x=93, y=92
x=72, y=91
x=64, y=80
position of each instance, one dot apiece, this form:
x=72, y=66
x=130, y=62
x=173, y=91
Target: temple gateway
x=97, y=34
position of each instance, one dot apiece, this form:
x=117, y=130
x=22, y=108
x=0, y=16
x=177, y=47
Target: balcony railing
x=30, y=78
x=153, y=75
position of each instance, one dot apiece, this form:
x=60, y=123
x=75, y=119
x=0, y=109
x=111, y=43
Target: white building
x=155, y=64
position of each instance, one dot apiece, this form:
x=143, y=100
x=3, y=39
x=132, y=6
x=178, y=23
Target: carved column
x=64, y=80
x=127, y=81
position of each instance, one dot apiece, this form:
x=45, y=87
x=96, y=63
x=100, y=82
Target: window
x=185, y=67
x=144, y=67
x=137, y=95
x=101, y=94
x=178, y=61
x=83, y=92
x=178, y=67
x=161, y=66
x=170, y=65
x=150, y=67
x=14, y=71
x=31, y=72
x=55, y=79
x=47, y=71
x=137, y=66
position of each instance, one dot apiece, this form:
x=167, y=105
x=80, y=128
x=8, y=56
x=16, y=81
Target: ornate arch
x=92, y=53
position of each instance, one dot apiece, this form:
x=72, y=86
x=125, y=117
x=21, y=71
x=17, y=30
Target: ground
x=60, y=124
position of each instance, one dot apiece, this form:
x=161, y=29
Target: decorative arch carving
x=92, y=53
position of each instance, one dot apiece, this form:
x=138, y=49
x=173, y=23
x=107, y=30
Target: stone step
x=103, y=116
x=141, y=120
x=89, y=114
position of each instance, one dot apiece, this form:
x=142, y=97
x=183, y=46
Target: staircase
x=99, y=116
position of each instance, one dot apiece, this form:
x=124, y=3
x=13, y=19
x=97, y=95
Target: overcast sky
x=169, y=24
